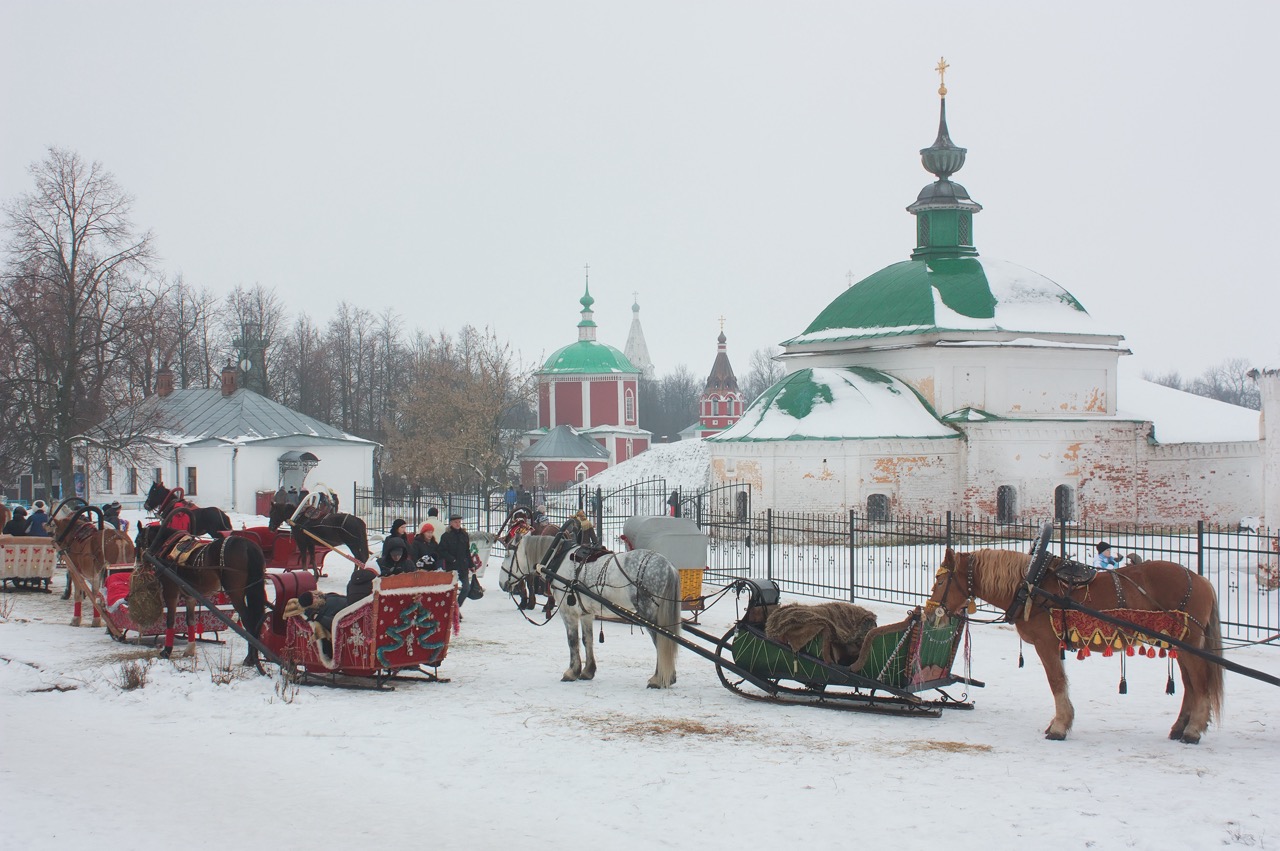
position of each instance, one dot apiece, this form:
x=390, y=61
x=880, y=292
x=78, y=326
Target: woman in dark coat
x=425, y=546
x=398, y=532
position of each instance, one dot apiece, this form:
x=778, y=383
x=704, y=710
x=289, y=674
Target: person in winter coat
x=394, y=559
x=111, y=514
x=36, y=522
x=17, y=524
x=455, y=546
x=1104, y=560
x=424, y=549
x=398, y=531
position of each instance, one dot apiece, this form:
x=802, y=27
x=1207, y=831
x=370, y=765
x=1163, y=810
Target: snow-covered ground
x=505, y=755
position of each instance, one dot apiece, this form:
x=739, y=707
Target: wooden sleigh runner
x=401, y=631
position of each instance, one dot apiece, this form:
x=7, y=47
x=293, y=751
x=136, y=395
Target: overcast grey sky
x=464, y=160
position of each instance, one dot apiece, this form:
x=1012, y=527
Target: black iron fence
x=853, y=557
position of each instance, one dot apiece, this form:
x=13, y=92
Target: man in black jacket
x=455, y=546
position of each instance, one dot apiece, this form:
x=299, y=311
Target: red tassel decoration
x=1081, y=653
x=1107, y=651
x=1151, y=653
x=1173, y=653
x=1163, y=653
x=1128, y=651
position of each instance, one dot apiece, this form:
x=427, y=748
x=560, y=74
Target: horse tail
x=1214, y=686
x=668, y=618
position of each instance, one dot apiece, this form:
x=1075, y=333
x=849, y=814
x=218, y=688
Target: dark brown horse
x=233, y=564
x=333, y=530
x=1157, y=594
x=204, y=521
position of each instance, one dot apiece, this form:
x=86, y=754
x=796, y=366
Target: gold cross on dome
x=942, y=75
x=722, y=324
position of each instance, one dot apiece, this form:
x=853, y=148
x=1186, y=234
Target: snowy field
x=505, y=755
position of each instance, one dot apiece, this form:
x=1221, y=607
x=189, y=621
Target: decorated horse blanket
x=1080, y=631
x=186, y=551
x=843, y=627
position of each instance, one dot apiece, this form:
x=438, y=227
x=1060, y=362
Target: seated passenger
x=394, y=559
x=1104, y=560
x=17, y=524
x=424, y=550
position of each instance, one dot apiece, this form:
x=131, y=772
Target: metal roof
x=563, y=442
x=198, y=413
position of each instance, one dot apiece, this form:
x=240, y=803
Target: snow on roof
x=685, y=465
x=845, y=403
x=1181, y=417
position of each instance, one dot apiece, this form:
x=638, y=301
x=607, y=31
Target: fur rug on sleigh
x=843, y=627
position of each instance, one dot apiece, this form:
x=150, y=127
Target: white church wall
x=1217, y=482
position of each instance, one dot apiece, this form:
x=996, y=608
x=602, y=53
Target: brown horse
x=204, y=521
x=1164, y=595
x=234, y=564
x=517, y=525
x=333, y=529
x=87, y=549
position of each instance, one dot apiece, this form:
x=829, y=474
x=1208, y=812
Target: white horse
x=641, y=581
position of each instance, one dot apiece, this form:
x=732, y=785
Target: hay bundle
x=146, y=607
x=843, y=626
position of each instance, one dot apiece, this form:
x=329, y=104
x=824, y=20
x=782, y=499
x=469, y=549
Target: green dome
x=588, y=356
x=969, y=294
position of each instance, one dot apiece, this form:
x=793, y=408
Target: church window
x=630, y=402
x=540, y=474
x=742, y=504
x=1064, y=503
x=108, y=480
x=133, y=481
x=191, y=481
x=630, y=447
x=922, y=230
x=878, y=506
x=1006, y=504
x=965, y=228
x=580, y=473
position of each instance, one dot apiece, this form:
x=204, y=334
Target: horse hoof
x=75, y=621
x=166, y=653
x=568, y=678
x=1190, y=740
x=1054, y=737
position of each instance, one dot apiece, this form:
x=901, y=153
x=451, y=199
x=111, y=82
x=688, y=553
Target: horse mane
x=536, y=546
x=998, y=573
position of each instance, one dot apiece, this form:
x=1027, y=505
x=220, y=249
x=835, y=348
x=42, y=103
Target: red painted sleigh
x=404, y=626
x=115, y=610
x=279, y=547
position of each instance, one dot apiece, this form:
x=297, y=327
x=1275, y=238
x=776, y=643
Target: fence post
x=768, y=537
x=1200, y=547
x=1062, y=539
x=853, y=570
x=598, y=511
x=697, y=508
x=950, y=543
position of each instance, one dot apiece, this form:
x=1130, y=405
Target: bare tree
x=670, y=404
x=763, y=373
x=255, y=318
x=1227, y=382
x=70, y=287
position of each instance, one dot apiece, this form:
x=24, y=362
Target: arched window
x=540, y=473
x=1006, y=504
x=878, y=506
x=1064, y=503
x=580, y=472
x=742, y=505
x=629, y=402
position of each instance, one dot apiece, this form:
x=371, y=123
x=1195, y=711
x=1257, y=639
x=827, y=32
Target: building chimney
x=164, y=382
x=228, y=380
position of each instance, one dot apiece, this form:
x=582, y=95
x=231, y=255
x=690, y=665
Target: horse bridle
x=970, y=605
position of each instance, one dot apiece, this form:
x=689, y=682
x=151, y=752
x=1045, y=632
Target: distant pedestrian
x=510, y=498
x=673, y=503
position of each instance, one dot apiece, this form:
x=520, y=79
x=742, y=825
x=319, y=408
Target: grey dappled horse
x=642, y=581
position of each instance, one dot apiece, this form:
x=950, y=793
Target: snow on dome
x=845, y=403
x=973, y=294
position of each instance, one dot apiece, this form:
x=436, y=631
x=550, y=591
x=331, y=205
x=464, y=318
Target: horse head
x=155, y=497
x=952, y=588
x=279, y=513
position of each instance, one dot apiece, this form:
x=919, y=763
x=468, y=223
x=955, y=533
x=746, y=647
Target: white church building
x=955, y=382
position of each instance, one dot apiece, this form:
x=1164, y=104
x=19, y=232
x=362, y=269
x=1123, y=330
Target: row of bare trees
x=90, y=320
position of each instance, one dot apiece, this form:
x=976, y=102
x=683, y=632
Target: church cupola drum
x=721, y=403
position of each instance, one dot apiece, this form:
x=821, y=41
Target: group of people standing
x=405, y=550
